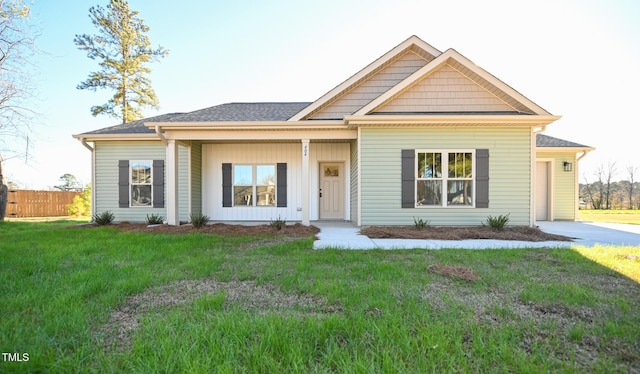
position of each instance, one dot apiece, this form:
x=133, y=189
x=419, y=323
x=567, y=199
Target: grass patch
x=612, y=216
x=106, y=300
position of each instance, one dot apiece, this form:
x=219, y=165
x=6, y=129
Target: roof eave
x=96, y=137
x=565, y=149
x=248, y=125
x=448, y=120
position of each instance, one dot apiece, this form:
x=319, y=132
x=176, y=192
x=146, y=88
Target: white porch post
x=172, y=183
x=305, y=182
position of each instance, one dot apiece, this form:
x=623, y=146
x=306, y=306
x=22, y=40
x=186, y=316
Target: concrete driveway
x=345, y=235
x=592, y=233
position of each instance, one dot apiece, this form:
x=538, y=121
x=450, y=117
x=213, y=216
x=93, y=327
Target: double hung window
x=444, y=178
x=254, y=185
x=141, y=183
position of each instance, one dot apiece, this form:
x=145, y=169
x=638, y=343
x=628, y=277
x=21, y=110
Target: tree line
x=602, y=192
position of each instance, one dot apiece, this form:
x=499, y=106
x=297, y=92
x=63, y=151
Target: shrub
x=420, y=224
x=278, y=224
x=103, y=218
x=198, y=220
x=497, y=223
x=81, y=205
x=154, y=219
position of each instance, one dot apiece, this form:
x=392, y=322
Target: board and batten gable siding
x=381, y=184
x=373, y=87
x=446, y=90
x=563, y=184
x=107, y=156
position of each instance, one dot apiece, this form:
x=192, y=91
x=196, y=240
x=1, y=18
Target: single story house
x=416, y=133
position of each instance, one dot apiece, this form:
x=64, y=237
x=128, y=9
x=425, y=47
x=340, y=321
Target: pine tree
x=124, y=51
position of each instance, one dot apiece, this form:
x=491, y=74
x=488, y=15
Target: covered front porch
x=298, y=177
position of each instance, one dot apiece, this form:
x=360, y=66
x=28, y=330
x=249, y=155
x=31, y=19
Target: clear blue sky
x=575, y=58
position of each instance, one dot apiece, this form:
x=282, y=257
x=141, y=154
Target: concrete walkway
x=344, y=235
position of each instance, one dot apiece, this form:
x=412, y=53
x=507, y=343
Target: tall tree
x=124, y=51
x=16, y=44
x=70, y=183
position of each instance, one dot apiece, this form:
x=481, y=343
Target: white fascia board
x=248, y=125
x=113, y=137
x=448, y=120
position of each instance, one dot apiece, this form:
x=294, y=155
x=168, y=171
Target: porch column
x=172, y=182
x=305, y=182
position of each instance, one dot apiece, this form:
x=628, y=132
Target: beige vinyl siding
x=446, y=90
x=509, y=173
x=354, y=182
x=564, y=186
x=107, y=155
x=196, y=177
x=374, y=86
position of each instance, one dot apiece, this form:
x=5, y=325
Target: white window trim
x=131, y=184
x=445, y=177
x=254, y=185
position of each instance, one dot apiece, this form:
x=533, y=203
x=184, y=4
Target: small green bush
x=103, y=218
x=278, y=223
x=420, y=224
x=198, y=220
x=154, y=219
x=497, y=223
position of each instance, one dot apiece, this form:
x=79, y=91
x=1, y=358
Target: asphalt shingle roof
x=231, y=112
x=135, y=127
x=551, y=142
x=238, y=112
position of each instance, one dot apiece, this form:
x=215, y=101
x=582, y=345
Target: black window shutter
x=227, y=186
x=281, y=185
x=482, y=178
x=408, y=177
x=158, y=183
x=123, y=183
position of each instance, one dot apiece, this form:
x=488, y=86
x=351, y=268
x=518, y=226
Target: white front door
x=331, y=190
x=542, y=191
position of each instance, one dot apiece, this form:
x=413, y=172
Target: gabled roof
x=454, y=60
x=393, y=75
x=412, y=44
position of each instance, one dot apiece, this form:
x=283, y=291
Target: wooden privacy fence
x=26, y=203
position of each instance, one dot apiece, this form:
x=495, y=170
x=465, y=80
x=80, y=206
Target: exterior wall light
x=567, y=166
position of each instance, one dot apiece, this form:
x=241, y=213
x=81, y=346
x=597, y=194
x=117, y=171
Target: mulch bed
x=295, y=230
x=524, y=233
x=298, y=230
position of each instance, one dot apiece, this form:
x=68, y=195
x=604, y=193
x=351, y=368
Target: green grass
x=283, y=307
x=613, y=216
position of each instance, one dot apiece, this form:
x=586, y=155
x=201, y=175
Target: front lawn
x=104, y=300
